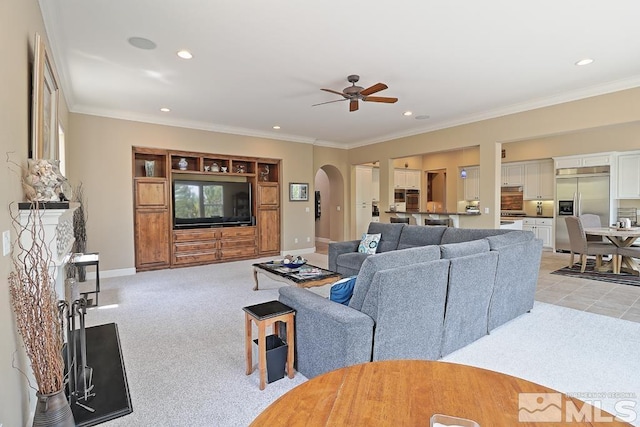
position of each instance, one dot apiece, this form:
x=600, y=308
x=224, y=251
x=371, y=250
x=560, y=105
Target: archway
x=329, y=184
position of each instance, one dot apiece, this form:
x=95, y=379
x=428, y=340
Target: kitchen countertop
x=434, y=213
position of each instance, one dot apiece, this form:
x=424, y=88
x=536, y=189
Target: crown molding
x=575, y=95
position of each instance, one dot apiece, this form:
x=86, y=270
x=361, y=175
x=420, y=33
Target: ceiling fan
x=354, y=93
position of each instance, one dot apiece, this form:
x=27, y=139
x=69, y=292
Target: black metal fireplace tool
x=78, y=375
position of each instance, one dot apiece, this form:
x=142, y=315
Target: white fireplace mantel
x=57, y=233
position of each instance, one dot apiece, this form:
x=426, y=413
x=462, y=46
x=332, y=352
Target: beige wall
x=589, y=117
x=19, y=21
x=99, y=155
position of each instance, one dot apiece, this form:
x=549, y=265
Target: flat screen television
x=211, y=203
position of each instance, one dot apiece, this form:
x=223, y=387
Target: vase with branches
x=35, y=304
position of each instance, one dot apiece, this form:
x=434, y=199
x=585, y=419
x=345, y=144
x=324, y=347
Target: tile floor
x=609, y=299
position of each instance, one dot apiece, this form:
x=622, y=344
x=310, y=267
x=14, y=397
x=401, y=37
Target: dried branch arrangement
x=34, y=301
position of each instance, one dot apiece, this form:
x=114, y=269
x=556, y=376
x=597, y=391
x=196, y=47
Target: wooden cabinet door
x=151, y=193
x=268, y=194
x=268, y=230
x=152, y=238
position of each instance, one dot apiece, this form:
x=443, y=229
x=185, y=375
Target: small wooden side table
x=266, y=314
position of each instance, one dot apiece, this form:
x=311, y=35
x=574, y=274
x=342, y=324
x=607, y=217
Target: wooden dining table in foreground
x=621, y=237
x=409, y=392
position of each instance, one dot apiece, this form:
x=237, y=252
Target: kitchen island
x=420, y=216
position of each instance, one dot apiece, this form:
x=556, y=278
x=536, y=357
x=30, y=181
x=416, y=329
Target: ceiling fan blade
x=329, y=102
x=380, y=99
x=334, y=91
x=373, y=89
x=353, y=105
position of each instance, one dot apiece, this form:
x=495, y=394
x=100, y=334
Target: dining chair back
x=579, y=245
x=395, y=220
x=589, y=221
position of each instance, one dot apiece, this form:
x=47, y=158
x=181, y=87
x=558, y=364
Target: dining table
x=621, y=237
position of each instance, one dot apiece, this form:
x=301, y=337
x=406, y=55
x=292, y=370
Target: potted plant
x=35, y=304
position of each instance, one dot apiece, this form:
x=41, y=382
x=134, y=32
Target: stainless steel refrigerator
x=580, y=191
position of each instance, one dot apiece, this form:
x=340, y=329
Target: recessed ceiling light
x=276, y=127
x=585, y=61
x=407, y=113
x=141, y=43
x=184, y=54
x=165, y=109
x=422, y=117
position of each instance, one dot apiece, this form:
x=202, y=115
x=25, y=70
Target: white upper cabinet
x=538, y=180
x=602, y=159
x=472, y=183
x=375, y=184
x=406, y=178
x=512, y=174
x=364, y=177
x=629, y=176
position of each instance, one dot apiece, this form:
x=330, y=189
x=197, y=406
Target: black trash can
x=276, y=357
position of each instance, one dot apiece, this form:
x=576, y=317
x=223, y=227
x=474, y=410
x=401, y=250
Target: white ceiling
x=262, y=63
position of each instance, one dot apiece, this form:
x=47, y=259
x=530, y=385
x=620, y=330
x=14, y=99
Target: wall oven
x=399, y=196
x=412, y=199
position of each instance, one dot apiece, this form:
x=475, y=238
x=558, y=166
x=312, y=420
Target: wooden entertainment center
x=158, y=244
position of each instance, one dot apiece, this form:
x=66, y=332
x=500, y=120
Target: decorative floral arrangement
x=43, y=180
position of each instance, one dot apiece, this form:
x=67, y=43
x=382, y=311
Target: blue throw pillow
x=342, y=290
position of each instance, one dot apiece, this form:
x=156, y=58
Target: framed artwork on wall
x=44, y=107
x=298, y=192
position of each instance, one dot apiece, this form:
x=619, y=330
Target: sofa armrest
x=328, y=335
x=337, y=248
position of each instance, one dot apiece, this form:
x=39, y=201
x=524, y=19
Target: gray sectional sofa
x=416, y=301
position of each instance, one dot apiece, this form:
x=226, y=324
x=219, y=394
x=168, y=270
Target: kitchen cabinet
x=602, y=159
x=629, y=176
x=512, y=174
x=472, y=183
x=406, y=178
x=538, y=180
x=375, y=184
x=542, y=228
x=364, y=196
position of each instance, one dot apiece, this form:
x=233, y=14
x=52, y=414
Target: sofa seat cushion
x=390, y=235
x=351, y=261
x=385, y=261
x=416, y=235
x=455, y=250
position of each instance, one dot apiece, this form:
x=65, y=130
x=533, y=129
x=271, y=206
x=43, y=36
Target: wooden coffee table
x=410, y=392
x=294, y=277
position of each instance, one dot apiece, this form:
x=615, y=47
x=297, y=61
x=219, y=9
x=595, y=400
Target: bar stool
x=85, y=260
x=269, y=313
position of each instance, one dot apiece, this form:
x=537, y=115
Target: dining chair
x=394, y=219
x=580, y=245
x=591, y=221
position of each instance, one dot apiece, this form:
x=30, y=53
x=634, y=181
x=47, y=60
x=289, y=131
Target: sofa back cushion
x=455, y=250
x=457, y=235
x=385, y=261
x=513, y=237
x=417, y=235
x=390, y=235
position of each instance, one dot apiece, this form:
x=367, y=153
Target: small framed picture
x=298, y=192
